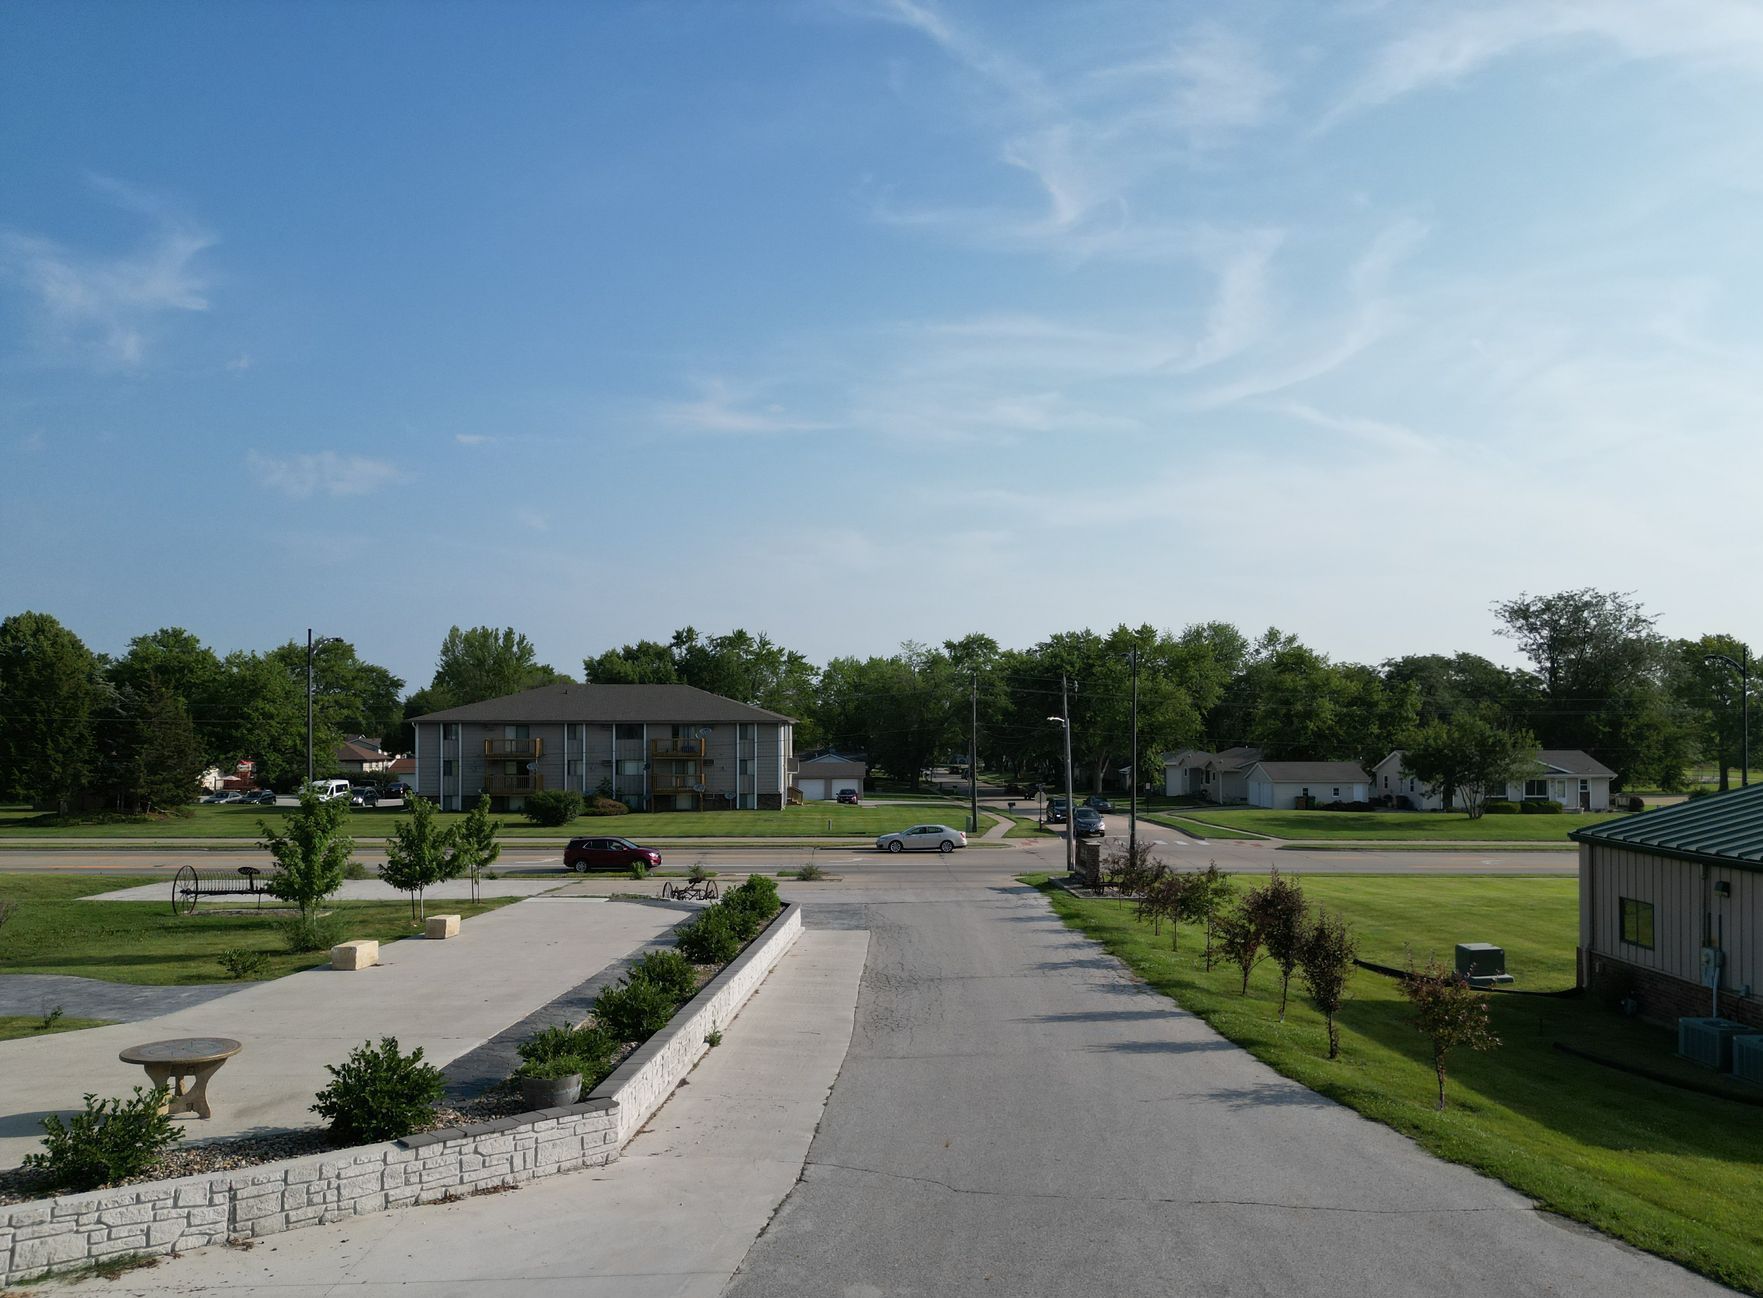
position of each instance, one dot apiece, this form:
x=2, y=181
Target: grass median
x=820, y=820
x=16, y=1027
x=53, y=931
x=1418, y=826
x=1668, y=1169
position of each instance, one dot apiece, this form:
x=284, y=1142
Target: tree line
x=133, y=731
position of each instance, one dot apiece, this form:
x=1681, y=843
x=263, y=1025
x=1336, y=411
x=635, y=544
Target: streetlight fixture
x=1743, y=668
x=1070, y=801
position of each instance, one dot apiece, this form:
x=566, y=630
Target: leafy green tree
x=1208, y=896
x=1280, y=912
x=486, y=663
x=903, y=711
x=311, y=849
x=49, y=692
x=1468, y=757
x=419, y=854
x=475, y=848
x=265, y=708
x=1449, y=1012
x=1711, y=696
x=1240, y=939
x=1326, y=960
x=177, y=661
x=647, y=662
x=158, y=763
x=350, y=696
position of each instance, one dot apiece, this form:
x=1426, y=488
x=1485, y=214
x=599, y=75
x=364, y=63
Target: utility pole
x=1132, y=815
x=1070, y=800
x=1743, y=668
x=973, y=758
x=308, y=707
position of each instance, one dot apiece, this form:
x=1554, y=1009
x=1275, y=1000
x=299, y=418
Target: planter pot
x=550, y=1092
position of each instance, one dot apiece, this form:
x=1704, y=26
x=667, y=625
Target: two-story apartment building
x=653, y=747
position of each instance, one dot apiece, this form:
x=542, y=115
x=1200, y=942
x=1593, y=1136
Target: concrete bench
x=362, y=954
x=440, y=927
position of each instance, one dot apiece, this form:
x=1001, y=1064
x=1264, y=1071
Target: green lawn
x=1419, y=825
x=816, y=821
x=53, y=932
x=1669, y=1170
x=1192, y=826
x=15, y=1026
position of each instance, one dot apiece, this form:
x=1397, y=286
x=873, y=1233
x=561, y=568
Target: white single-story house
x=1217, y=777
x=1280, y=785
x=1671, y=907
x=1576, y=780
x=823, y=778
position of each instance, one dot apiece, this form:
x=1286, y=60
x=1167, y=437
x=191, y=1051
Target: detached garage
x=1671, y=908
x=823, y=778
x=1284, y=786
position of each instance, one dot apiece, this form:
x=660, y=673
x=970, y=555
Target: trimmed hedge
x=1540, y=808
x=552, y=806
x=1499, y=807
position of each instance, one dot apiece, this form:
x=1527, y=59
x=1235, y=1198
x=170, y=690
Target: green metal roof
x=1723, y=829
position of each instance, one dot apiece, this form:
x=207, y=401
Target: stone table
x=169, y=1062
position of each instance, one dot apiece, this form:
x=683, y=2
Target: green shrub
x=356, y=870
x=1499, y=807
x=755, y=902
x=668, y=970
x=639, y=870
x=553, y=1068
x=552, y=806
x=700, y=873
x=634, y=1010
x=592, y=1047
x=112, y=1140
x=241, y=964
x=1540, y=808
x=810, y=872
x=605, y=807
x=712, y=938
x=311, y=932
x=378, y=1094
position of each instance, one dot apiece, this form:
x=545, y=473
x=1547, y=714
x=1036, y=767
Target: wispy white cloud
x=1441, y=44
x=103, y=307
x=473, y=439
x=722, y=409
x=322, y=473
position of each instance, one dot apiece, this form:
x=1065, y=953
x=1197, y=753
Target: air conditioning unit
x=1708, y=1041
x=1747, y=1057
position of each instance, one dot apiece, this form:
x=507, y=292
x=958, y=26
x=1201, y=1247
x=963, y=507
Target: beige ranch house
x=1219, y=777
x=1578, y=781
x=1284, y=786
x=652, y=747
x=1671, y=908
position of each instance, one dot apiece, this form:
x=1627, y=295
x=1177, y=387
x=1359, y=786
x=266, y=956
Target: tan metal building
x=1671, y=907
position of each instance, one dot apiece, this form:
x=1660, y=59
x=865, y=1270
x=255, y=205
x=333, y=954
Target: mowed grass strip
x=54, y=932
x=818, y=820
x=1198, y=828
x=1672, y=1171
x=1417, y=825
x=16, y=1026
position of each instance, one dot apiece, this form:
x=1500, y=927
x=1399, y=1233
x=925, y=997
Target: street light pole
x=1132, y=815
x=1744, y=670
x=973, y=759
x=309, y=707
x=1070, y=797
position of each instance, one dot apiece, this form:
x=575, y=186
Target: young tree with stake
x=1280, y=911
x=1326, y=959
x=418, y=853
x=1448, y=1010
x=311, y=849
x=1239, y=937
x=1208, y=895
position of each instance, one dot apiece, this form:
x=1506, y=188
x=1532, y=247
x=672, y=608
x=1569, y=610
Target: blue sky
x=871, y=320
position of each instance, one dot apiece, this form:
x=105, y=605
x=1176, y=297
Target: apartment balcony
x=513, y=785
x=676, y=748
x=524, y=750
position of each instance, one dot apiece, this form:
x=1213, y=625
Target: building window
x=575, y=768
x=446, y=766
x=517, y=732
x=450, y=730
x=1337, y=794
x=628, y=730
x=746, y=766
x=1637, y=922
x=1536, y=789
x=630, y=766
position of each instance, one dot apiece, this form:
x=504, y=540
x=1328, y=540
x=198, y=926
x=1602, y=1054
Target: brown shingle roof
x=608, y=703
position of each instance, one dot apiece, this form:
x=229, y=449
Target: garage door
x=812, y=790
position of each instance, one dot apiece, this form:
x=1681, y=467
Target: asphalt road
x=1016, y=1117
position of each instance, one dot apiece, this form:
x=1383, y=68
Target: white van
x=327, y=790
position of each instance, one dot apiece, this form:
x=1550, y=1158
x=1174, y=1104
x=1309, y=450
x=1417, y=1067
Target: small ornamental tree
x=1207, y=897
x=1130, y=870
x=311, y=849
x=1169, y=896
x=1149, y=904
x=419, y=853
x=474, y=848
x=1326, y=959
x=1280, y=911
x=1449, y=1011
x=1239, y=938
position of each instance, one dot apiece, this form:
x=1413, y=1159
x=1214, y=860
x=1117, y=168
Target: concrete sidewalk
x=671, y=1219
x=446, y=997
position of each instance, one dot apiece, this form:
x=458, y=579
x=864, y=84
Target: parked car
x=1056, y=811
x=922, y=838
x=219, y=795
x=397, y=789
x=584, y=854
x=231, y=795
x=1096, y=802
x=1089, y=823
x=364, y=798
x=329, y=790
x=850, y=798
x=261, y=797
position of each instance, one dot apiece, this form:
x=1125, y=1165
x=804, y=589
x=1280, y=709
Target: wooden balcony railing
x=519, y=749
x=505, y=785
x=676, y=748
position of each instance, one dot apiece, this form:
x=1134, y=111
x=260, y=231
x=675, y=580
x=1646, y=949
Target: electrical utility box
x=1482, y=963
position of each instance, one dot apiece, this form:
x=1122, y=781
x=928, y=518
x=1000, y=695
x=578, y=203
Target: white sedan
x=922, y=838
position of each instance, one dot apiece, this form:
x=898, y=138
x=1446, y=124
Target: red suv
x=584, y=854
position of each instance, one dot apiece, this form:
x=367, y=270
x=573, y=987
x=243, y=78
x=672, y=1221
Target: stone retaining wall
x=159, y=1217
